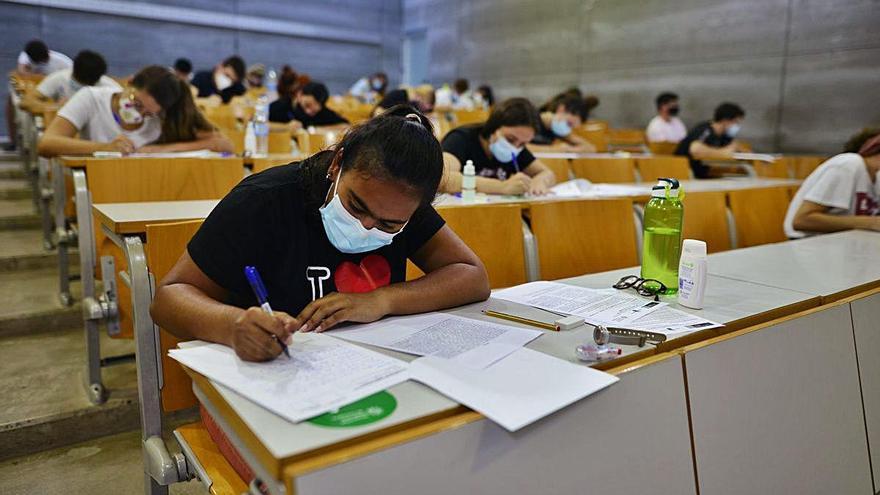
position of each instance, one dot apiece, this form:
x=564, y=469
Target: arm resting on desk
x=702, y=151
x=59, y=140
x=205, y=140
x=813, y=217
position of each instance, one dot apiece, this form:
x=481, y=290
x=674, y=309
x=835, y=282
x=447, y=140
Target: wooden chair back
x=705, y=218
x=662, y=148
x=165, y=244
x=654, y=167
x=560, y=166
x=604, y=170
x=223, y=117
x=804, y=165
x=260, y=164
x=759, y=214
x=596, y=134
x=781, y=168
x=627, y=139
x=464, y=117
x=583, y=236
x=279, y=141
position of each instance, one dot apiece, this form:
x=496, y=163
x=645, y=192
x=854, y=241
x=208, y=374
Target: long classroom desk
x=435, y=442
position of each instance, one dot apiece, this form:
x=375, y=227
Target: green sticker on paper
x=363, y=412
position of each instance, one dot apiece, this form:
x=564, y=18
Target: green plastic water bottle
x=661, y=248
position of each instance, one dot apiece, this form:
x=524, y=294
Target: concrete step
x=31, y=304
x=109, y=465
x=23, y=250
x=15, y=189
x=12, y=170
x=18, y=214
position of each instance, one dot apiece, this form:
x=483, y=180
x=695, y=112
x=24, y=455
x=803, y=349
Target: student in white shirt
x=370, y=89
x=88, y=70
x=843, y=193
x=666, y=127
x=155, y=113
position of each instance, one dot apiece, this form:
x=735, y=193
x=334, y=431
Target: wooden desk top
x=80, y=161
x=133, y=218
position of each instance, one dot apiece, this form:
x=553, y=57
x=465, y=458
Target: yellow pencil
x=520, y=319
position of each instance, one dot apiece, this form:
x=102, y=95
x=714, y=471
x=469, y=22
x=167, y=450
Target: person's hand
x=252, y=334
x=295, y=125
x=538, y=188
x=516, y=185
x=121, y=144
x=325, y=313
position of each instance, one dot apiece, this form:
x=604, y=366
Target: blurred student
x=307, y=108
x=366, y=201
x=393, y=98
x=154, y=113
x=556, y=125
x=371, y=88
x=256, y=74
x=225, y=80
x=89, y=69
x=712, y=140
x=842, y=193
x=666, y=127
x=497, y=147
x=486, y=96
x=36, y=58
x=183, y=68
x=423, y=97
x=462, y=98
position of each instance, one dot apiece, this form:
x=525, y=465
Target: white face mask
x=222, y=81
x=346, y=232
x=128, y=112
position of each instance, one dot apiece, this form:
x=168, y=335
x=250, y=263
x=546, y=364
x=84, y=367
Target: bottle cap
x=659, y=190
x=469, y=167
x=694, y=246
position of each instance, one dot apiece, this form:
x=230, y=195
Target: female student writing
x=498, y=149
x=558, y=119
x=154, y=113
x=330, y=236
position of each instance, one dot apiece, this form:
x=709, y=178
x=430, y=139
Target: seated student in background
x=307, y=109
x=89, y=69
x=842, y=193
x=713, y=140
x=486, y=96
x=154, y=113
x=556, y=125
x=497, y=147
x=424, y=98
x=36, y=58
x=393, y=98
x=226, y=80
x=462, y=98
x=666, y=127
x=183, y=69
x=330, y=236
x=255, y=76
x=370, y=89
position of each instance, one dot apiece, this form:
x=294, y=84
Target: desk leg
x=86, y=244
x=530, y=249
x=63, y=237
x=45, y=195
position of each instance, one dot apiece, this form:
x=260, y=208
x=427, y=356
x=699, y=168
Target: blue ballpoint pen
x=253, y=277
x=515, y=165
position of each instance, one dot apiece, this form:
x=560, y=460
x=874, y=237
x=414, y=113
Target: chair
x=260, y=164
x=494, y=233
x=560, y=168
x=464, y=117
x=279, y=141
x=583, y=236
x=223, y=117
x=604, y=170
x=596, y=134
x=759, y=214
x=781, y=168
x=662, y=148
x=627, y=139
x=705, y=218
x=806, y=164
x=654, y=167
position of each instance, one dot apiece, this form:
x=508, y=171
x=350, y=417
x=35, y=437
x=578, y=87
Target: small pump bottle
x=692, y=272
x=469, y=183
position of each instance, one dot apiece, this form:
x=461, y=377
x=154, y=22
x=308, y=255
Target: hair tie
x=413, y=117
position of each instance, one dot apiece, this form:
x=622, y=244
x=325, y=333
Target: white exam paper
x=668, y=320
x=177, y=154
x=761, y=157
x=520, y=389
x=322, y=374
x=571, y=189
x=463, y=340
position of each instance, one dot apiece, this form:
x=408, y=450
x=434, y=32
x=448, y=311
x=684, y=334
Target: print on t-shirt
x=865, y=204
x=372, y=272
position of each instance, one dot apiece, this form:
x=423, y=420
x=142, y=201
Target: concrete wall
x=129, y=42
x=806, y=71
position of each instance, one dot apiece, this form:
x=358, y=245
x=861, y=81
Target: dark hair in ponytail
x=398, y=145
x=181, y=119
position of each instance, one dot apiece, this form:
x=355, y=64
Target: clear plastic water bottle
x=272, y=84
x=468, y=182
x=661, y=250
x=261, y=126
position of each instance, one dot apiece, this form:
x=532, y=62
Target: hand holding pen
x=259, y=333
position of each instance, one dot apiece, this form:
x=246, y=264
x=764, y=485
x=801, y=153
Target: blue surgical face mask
x=733, y=130
x=346, y=232
x=377, y=84
x=502, y=150
x=560, y=127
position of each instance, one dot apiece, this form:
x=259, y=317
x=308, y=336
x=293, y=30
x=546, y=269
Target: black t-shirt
x=204, y=81
x=701, y=132
x=271, y=221
x=544, y=135
x=464, y=143
x=284, y=110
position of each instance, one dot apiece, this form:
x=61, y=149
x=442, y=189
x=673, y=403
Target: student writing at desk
x=330, y=236
x=225, y=81
x=155, y=113
x=498, y=149
x=713, y=140
x=557, y=121
x=842, y=193
x=306, y=109
x=89, y=69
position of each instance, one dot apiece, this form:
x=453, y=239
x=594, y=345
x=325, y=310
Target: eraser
x=569, y=322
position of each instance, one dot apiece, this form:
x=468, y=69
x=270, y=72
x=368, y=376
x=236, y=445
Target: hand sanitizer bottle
x=692, y=272
x=469, y=183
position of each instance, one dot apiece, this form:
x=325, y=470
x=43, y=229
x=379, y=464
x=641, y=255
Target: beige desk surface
x=132, y=218
x=79, y=161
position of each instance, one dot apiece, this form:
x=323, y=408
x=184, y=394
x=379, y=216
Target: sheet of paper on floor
x=322, y=374
x=520, y=389
x=463, y=340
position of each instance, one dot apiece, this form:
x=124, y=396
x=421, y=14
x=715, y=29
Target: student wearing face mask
x=226, y=80
x=556, y=125
x=89, y=69
x=330, y=236
x=497, y=147
x=308, y=108
x=712, y=140
x=666, y=127
x=370, y=89
x=842, y=193
x=155, y=113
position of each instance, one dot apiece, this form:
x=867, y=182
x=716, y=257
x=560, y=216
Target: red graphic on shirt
x=865, y=204
x=372, y=272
